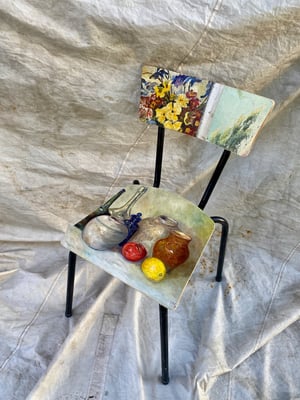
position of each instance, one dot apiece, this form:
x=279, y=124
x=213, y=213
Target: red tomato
x=133, y=251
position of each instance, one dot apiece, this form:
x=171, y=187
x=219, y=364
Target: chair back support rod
x=214, y=179
x=159, y=155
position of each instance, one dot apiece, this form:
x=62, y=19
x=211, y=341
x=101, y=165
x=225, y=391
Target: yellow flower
x=160, y=114
x=182, y=100
x=175, y=126
x=173, y=110
x=161, y=91
x=187, y=119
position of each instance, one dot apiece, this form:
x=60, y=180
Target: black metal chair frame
x=163, y=311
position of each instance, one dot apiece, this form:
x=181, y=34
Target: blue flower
x=147, y=87
x=184, y=79
x=160, y=74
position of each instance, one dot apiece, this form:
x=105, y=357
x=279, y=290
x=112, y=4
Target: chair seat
x=154, y=202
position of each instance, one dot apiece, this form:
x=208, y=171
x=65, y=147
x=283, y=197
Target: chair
x=225, y=116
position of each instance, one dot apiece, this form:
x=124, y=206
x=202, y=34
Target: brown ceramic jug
x=172, y=250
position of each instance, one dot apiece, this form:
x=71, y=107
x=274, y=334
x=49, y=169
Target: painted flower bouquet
x=172, y=100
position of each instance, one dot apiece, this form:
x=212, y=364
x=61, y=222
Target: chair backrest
x=225, y=116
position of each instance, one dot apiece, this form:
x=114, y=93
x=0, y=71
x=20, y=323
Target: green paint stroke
x=237, y=119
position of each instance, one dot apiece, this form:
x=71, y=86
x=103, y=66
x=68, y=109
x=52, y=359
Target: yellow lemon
x=154, y=269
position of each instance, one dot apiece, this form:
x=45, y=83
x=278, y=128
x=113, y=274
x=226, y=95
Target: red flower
x=191, y=94
x=145, y=112
x=194, y=103
x=144, y=101
x=190, y=131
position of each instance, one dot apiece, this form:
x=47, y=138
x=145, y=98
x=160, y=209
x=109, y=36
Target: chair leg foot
x=70, y=284
x=224, y=234
x=163, y=317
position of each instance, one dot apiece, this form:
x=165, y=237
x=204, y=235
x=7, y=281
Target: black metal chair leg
x=70, y=283
x=163, y=318
x=223, y=242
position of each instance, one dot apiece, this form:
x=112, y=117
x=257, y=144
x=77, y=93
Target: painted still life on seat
x=149, y=238
x=225, y=116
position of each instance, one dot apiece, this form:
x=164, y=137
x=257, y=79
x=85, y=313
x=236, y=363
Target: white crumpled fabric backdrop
x=70, y=138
